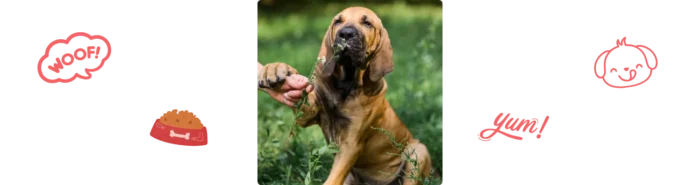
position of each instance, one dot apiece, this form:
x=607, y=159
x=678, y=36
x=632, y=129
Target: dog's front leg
x=349, y=151
x=309, y=112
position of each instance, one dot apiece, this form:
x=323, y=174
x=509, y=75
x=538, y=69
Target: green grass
x=414, y=91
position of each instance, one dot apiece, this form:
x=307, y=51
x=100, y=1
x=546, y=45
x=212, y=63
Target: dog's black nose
x=347, y=33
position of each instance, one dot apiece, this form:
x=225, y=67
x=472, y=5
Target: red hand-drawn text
x=68, y=59
x=525, y=125
x=79, y=54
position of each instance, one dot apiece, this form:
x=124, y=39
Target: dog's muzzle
x=355, y=53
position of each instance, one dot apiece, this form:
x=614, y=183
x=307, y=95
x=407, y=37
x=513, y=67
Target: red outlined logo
x=75, y=57
x=525, y=125
x=625, y=65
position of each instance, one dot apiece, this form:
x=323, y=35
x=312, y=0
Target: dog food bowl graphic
x=179, y=136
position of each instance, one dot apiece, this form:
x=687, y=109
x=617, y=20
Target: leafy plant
x=314, y=161
x=312, y=77
x=409, y=155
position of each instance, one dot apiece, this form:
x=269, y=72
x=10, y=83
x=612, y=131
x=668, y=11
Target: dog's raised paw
x=274, y=74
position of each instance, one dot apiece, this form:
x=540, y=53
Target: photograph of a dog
x=371, y=112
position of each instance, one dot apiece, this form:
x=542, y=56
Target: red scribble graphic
x=70, y=58
x=188, y=138
x=623, y=68
x=511, y=125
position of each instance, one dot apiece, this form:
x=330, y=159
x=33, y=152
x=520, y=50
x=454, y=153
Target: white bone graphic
x=185, y=136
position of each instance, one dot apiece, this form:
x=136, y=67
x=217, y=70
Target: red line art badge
x=625, y=65
x=75, y=57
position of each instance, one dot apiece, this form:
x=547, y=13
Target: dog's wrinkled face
x=367, y=55
x=360, y=28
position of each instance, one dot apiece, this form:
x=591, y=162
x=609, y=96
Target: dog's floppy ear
x=650, y=56
x=600, y=64
x=383, y=62
x=326, y=53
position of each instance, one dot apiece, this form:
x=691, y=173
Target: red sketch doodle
x=180, y=128
x=525, y=125
x=625, y=65
x=75, y=57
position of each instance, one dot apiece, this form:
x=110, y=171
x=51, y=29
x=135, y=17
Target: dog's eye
x=639, y=65
x=613, y=69
x=337, y=21
x=367, y=23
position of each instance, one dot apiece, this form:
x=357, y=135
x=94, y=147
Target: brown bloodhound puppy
x=348, y=99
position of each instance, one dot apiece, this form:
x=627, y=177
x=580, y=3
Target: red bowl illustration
x=174, y=136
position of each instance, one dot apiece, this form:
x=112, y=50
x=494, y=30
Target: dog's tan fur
x=347, y=120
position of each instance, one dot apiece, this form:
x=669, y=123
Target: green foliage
x=304, y=95
x=414, y=87
x=409, y=155
x=336, y=54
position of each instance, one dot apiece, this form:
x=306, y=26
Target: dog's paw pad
x=273, y=75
